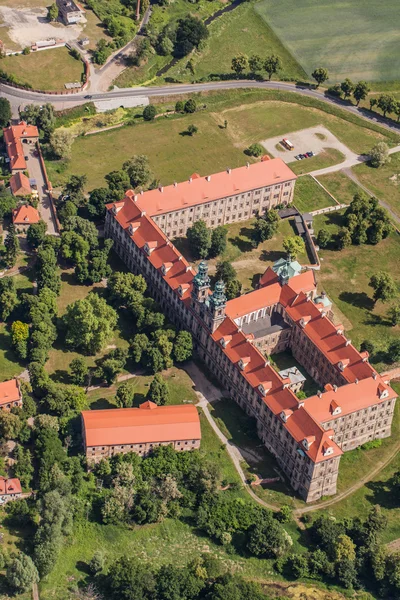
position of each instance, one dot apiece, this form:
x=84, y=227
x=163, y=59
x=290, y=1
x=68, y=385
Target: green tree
x=265, y=227
x=192, y=129
x=320, y=75
x=361, y=91
x=61, y=141
x=79, y=371
x=272, y=65
x=11, y=245
x=97, y=563
x=268, y=539
x=190, y=106
x=8, y=297
x=7, y=202
x=239, y=64
x=158, y=390
x=394, y=315
x=394, y=351
x=5, y=112
x=218, y=241
x=21, y=573
x=189, y=33
x=139, y=345
x=255, y=150
x=344, y=238
x=384, y=287
x=179, y=106
x=225, y=271
x=149, y=112
x=294, y=245
x=124, y=395
x=347, y=87
x=23, y=467
x=118, y=182
x=98, y=199
x=183, y=346
x=83, y=227
x=138, y=170
x=46, y=271
x=124, y=288
x=323, y=238
x=89, y=324
x=379, y=155
x=199, y=238
x=387, y=103
x=36, y=234
x=256, y=63
x=19, y=339
x=10, y=425
x=74, y=248
x=52, y=13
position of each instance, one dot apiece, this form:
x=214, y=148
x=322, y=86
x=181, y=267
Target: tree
x=36, y=234
x=265, y=227
x=347, y=87
x=183, y=346
x=192, y=129
x=256, y=63
x=394, y=315
x=46, y=272
x=272, y=65
x=239, y=64
x=23, y=467
x=361, y=91
x=323, y=238
x=19, y=339
x=21, y=573
x=10, y=425
x=189, y=33
x=74, y=248
x=118, y=182
x=89, y=323
x=5, y=112
x=79, y=371
x=320, y=75
x=8, y=297
x=149, y=112
x=52, y=13
x=268, y=539
x=124, y=395
x=179, y=106
x=384, y=287
x=218, y=241
x=294, y=246
x=344, y=238
x=255, y=150
x=139, y=345
x=394, y=351
x=190, y=106
x=7, y=202
x=379, y=155
x=61, y=143
x=97, y=563
x=138, y=170
x=225, y=271
x=86, y=229
x=387, y=103
x=165, y=46
x=158, y=390
x=199, y=238
x=11, y=245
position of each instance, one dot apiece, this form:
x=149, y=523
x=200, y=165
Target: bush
x=190, y=106
x=255, y=150
x=372, y=444
x=149, y=112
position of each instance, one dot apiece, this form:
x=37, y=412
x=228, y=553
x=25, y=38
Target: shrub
x=149, y=112
x=255, y=150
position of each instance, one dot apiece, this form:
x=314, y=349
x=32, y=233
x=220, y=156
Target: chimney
x=175, y=184
x=374, y=375
x=323, y=294
x=135, y=198
x=180, y=257
x=334, y=387
x=188, y=268
x=190, y=180
x=348, y=342
x=356, y=381
x=247, y=164
x=161, y=188
x=229, y=170
x=319, y=394
x=208, y=178
x=141, y=192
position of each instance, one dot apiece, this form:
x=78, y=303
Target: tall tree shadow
x=359, y=299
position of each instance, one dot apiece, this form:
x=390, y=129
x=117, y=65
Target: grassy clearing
x=340, y=186
x=94, y=29
x=308, y=195
x=384, y=182
x=345, y=276
x=360, y=41
x=46, y=70
x=9, y=363
x=326, y=158
x=241, y=30
x=174, y=156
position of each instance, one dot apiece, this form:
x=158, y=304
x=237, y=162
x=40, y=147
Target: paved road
x=35, y=172
x=17, y=96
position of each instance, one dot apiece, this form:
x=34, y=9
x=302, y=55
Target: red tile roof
x=200, y=190
x=19, y=184
x=302, y=425
x=25, y=215
x=147, y=424
x=9, y=392
x=243, y=305
x=12, y=140
x=10, y=486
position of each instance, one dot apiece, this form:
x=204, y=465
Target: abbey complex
x=234, y=338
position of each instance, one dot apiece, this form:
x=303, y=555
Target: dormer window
x=335, y=408
x=285, y=414
x=224, y=341
x=182, y=289
x=342, y=364
x=308, y=442
x=304, y=321
x=327, y=450
x=149, y=247
x=243, y=362
x=165, y=267
x=382, y=392
x=264, y=387
x=133, y=227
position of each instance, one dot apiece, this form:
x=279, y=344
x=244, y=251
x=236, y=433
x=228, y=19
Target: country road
x=60, y=102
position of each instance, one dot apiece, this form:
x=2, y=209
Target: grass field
x=326, y=158
x=242, y=30
x=384, y=182
x=345, y=275
x=46, y=70
x=308, y=195
x=174, y=157
x=353, y=38
x=340, y=186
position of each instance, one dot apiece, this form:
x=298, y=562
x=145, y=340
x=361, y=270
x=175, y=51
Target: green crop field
x=351, y=38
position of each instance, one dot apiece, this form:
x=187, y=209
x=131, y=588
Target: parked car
x=298, y=157
x=310, y=154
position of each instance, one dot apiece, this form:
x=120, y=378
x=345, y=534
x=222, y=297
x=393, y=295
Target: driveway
x=35, y=172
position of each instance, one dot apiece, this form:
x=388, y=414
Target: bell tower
x=216, y=307
x=201, y=286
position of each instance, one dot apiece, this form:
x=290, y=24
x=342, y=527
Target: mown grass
x=326, y=158
x=340, y=186
x=48, y=70
x=308, y=195
x=350, y=39
x=383, y=182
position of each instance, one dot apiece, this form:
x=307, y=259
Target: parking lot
x=313, y=139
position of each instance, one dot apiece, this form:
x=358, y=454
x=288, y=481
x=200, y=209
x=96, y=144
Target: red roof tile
x=19, y=184
x=10, y=486
x=25, y=215
x=9, y=391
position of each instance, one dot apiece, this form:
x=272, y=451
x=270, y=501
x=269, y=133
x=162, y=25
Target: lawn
x=345, y=275
x=174, y=157
x=326, y=158
x=239, y=31
x=308, y=195
x=47, y=70
x=340, y=186
x=383, y=182
x=9, y=363
x=354, y=38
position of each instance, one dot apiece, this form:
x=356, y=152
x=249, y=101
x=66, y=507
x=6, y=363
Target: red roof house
x=25, y=215
x=19, y=184
x=10, y=394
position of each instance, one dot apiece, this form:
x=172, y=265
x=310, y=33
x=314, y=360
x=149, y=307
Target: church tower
x=201, y=286
x=216, y=307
